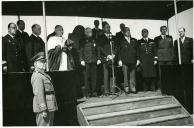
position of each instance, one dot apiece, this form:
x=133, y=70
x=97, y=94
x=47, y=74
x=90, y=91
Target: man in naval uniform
x=148, y=60
x=44, y=102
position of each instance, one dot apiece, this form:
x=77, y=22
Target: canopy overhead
x=158, y=10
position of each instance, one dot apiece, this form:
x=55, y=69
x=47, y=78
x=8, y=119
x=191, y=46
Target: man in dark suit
x=34, y=45
x=96, y=30
x=148, y=60
x=90, y=57
x=12, y=51
x=164, y=45
x=24, y=36
x=186, y=48
x=20, y=32
x=129, y=59
x=120, y=35
x=106, y=55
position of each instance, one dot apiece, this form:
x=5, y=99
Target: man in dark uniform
x=164, y=45
x=129, y=59
x=148, y=60
x=90, y=57
x=20, y=32
x=186, y=48
x=44, y=102
x=34, y=45
x=12, y=51
x=106, y=56
x=120, y=35
x=96, y=30
x=24, y=36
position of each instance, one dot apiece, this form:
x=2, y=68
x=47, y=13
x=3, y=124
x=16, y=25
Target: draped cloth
x=59, y=56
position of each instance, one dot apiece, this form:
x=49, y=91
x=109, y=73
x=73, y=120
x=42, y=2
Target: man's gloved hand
x=83, y=63
x=98, y=62
x=155, y=62
x=4, y=68
x=120, y=63
x=138, y=62
x=32, y=68
x=110, y=57
x=44, y=114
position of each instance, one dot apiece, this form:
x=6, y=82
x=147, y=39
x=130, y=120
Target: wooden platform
x=150, y=108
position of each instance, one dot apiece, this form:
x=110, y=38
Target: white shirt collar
x=35, y=35
x=20, y=30
x=183, y=39
x=146, y=39
x=128, y=39
x=163, y=36
x=11, y=35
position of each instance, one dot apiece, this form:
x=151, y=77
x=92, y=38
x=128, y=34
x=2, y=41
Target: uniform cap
x=39, y=56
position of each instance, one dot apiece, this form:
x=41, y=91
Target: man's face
x=107, y=28
x=163, y=30
x=59, y=31
x=96, y=23
x=12, y=29
x=37, y=30
x=21, y=25
x=181, y=32
x=40, y=64
x=127, y=32
x=88, y=32
x=122, y=27
x=144, y=34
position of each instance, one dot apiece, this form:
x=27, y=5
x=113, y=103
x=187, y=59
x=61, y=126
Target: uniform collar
x=35, y=35
x=11, y=35
x=20, y=31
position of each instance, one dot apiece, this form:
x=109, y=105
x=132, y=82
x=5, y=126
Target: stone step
x=134, y=115
x=171, y=120
x=125, y=104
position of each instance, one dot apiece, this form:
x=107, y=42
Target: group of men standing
x=88, y=48
x=133, y=55
x=18, y=47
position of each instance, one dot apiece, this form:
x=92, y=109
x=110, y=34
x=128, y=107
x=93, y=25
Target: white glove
x=83, y=63
x=155, y=62
x=120, y=63
x=5, y=68
x=44, y=114
x=192, y=61
x=32, y=68
x=138, y=62
x=109, y=57
x=98, y=62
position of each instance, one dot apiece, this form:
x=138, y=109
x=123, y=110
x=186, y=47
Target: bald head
x=12, y=28
x=36, y=29
x=59, y=30
x=144, y=33
x=88, y=32
x=122, y=26
x=181, y=32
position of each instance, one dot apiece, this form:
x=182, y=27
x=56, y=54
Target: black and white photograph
x=97, y=63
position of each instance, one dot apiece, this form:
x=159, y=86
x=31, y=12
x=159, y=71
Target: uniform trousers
x=45, y=121
x=90, y=78
x=108, y=81
x=129, y=77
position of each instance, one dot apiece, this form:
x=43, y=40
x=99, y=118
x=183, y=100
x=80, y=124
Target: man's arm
x=4, y=49
x=39, y=92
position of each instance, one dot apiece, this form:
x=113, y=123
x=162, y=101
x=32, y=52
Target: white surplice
x=52, y=43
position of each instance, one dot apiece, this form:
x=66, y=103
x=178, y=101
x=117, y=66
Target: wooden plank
x=126, y=106
x=135, y=116
x=152, y=121
x=111, y=102
x=127, y=112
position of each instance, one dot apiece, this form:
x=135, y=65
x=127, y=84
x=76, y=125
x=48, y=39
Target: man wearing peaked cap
x=44, y=102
